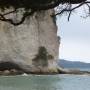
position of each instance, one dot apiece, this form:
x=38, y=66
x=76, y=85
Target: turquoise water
x=45, y=82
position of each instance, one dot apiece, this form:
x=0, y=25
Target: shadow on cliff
x=10, y=68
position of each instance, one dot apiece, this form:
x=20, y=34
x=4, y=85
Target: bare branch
x=69, y=12
x=69, y=15
x=88, y=7
x=2, y=18
x=10, y=12
x=71, y=9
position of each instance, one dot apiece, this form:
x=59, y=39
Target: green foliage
x=27, y=4
x=42, y=54
x=42, y=57
x=34, y=4
x=50, y=57
x=31, y=6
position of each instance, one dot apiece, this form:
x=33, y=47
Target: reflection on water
x=46, y=82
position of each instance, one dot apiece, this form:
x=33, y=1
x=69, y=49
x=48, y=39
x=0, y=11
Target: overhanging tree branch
x=2, y=18
x=31, y=6
x=69, y=10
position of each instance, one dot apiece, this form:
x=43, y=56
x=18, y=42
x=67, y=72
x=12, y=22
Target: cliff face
x=33, y=46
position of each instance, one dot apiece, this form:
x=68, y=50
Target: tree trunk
x=33, y=46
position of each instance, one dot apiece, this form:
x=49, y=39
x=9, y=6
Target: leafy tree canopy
x=31, y=6
x=35, y=4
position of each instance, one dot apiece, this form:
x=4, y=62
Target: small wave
x=24, y=74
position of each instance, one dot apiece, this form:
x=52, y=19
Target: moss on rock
x=41, y=59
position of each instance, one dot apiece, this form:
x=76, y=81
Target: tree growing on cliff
x=29, y=7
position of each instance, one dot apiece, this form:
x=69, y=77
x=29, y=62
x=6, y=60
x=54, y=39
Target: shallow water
x=45, y=82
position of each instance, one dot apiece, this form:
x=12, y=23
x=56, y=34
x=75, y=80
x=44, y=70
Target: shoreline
x=61, y=71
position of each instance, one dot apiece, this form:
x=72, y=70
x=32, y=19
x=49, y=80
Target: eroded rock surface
x=21, y=44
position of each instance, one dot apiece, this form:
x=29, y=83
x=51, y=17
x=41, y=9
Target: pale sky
x=75, y=38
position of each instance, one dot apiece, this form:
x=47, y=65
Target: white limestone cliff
x=21, y=44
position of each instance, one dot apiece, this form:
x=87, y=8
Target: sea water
x=45, y=82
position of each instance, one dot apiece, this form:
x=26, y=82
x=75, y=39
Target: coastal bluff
x=33, y=46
